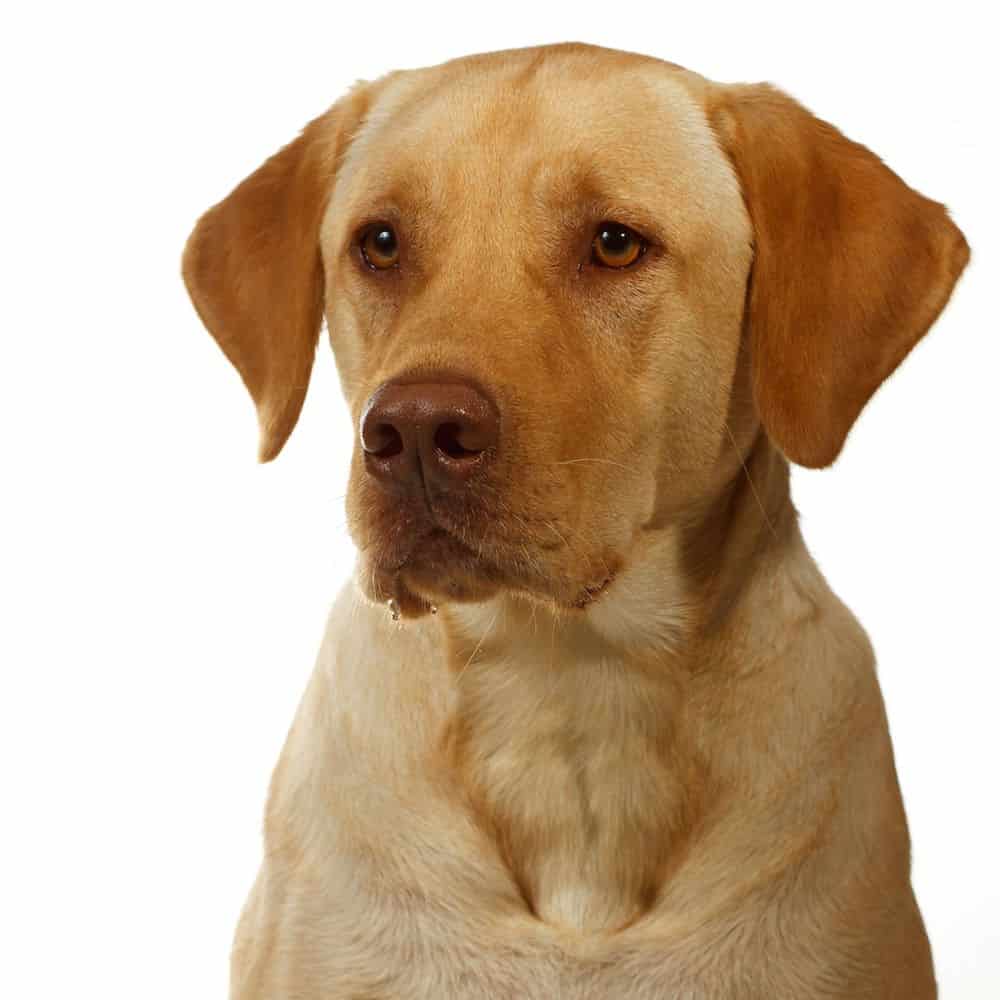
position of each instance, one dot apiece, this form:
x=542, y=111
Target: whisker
x=753, y=489
x=479, y=645
x=577, y=461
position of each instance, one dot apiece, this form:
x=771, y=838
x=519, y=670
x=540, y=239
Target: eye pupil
x=616, y=240
x=385, y=242
x=379, y=246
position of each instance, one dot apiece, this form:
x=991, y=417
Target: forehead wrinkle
x=482, y=141
x=399, y=91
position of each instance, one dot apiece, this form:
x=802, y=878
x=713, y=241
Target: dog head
x=566, y=288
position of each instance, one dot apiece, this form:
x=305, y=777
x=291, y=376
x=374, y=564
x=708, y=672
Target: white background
x=164, y=596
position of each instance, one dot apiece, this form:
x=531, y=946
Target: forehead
x=543, y=128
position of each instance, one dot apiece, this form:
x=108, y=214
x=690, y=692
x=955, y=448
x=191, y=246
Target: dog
x=588, y=722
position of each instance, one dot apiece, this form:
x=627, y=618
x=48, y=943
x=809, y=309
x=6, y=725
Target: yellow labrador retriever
x=590, y=723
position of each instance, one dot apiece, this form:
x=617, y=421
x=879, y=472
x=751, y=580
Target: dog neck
x=573, y=734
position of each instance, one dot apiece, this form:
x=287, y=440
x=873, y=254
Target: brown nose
x=438, y=433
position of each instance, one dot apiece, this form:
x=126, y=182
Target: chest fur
x=578, y=767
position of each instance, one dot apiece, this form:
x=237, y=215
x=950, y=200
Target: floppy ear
x=252, y=268
x=851, y=267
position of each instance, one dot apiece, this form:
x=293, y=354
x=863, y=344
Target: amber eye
x=379, y=247
x=616, y=245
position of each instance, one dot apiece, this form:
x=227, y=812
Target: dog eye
x=616, y=246
x=379, y=247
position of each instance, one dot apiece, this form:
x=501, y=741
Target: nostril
x=387, y=441
x=446, y=440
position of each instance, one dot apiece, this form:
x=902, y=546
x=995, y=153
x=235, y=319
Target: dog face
x=566, y=288
x=580, y=273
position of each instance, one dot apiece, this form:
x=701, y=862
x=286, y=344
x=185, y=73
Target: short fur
x=640, y=751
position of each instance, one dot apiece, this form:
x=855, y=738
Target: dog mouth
x=427, y=567
x=420, y=553
x=435, y=566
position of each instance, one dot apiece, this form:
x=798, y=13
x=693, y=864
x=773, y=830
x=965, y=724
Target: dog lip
x=593, y=592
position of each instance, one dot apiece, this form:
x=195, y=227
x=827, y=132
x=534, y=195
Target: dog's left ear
x=851, y=267
x=252, y=268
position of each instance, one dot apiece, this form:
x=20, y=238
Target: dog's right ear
x=252, y=268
